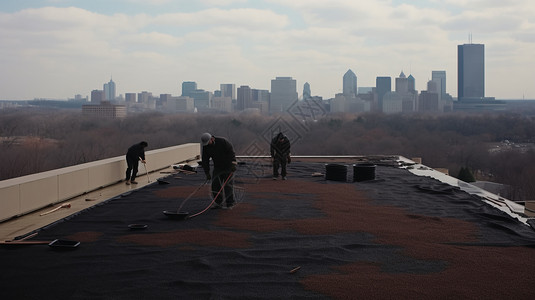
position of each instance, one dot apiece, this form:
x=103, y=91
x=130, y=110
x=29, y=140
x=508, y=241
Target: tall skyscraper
x=383, y=85
x=245, y=98
x=440, y=78
x=402, y=84
x=306, y=91
x=109, y=90
x=470, y=71
x=188, y=87
x=350, y=84
x=228, y=90
x=412, y=83
x=283, y=94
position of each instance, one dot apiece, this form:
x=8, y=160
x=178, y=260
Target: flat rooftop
x=405, y=233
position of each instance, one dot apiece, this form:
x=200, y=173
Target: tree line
x=37, y=140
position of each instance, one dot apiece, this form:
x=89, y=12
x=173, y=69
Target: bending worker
x=221, y=152
x=134, y=154
x=280, y=153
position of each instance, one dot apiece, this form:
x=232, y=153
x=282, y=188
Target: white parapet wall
x=22, y=195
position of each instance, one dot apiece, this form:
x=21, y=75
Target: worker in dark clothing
x=134, y=154
x=280, y=154
x=221, y=152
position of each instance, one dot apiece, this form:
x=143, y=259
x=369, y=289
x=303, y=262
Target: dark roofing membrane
x=397, y=236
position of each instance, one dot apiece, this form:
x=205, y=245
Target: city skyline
x=60, y=48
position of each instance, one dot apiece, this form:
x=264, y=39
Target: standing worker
x=221, y=152
x=134, y=154
x=280, y=153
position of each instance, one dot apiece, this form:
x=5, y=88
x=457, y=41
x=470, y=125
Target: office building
x=228, y=90
x=411, y=84
x=383, y=85
x=180, y=104
x=439, y=77
x=222, y=104
x=350, y=84
x=260, y=95
x=402, y=84
x=306, y=91
x=429, y=100
x=130, y=97
x=405, y=92
x=144, y=97
x=470, y=71
x=283, y=94
x=109, y=90
x=97, y=96
x=104, y=110
x=338, y=103
x=245, y=98
x=201, y=98
x=188, y=87
x=392, y=103
x=261, y=100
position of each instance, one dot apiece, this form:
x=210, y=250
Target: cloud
x=212, y=3
x=149, y=2
x=247, y=18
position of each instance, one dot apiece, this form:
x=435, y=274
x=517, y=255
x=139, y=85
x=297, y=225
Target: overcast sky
x=59, y=48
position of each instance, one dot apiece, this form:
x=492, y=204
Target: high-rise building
x=350, y=84
x=439, y=77
x=188, y=87
x=283, y=94
x=97, y=96
x=402, y=84
x=260, y=95
x=130, y=97
x=470, y=71
x=383, y=85
x=222, y=104
x=412, y=83
x=109, y=90
x=180, y=104
x=144, y=97
x=433, y=86
x=201, y=98
x=306, y=91
x=245, y=98
x=428, y=101
x=228, y=90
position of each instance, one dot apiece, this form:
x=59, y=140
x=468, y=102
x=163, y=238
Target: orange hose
x=213, y=200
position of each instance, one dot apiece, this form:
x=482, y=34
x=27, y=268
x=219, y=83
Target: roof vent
x=335, y=172
x=363, y=172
